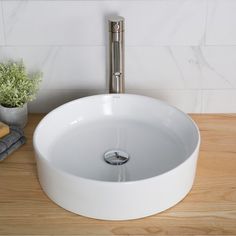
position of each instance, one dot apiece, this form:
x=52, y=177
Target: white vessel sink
x=152, y=149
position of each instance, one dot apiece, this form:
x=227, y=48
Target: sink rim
x=76, y=177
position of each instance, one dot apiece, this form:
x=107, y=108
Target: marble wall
x=181, y=51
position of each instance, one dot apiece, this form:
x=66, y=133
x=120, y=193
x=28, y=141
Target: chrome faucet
x=116, y=51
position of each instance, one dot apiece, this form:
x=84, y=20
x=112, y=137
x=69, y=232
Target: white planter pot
x=14, y=116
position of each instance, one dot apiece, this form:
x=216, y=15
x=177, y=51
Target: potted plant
x=17, y=87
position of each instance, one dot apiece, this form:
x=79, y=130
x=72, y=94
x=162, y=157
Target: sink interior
x=153, y=150
x=152, y=139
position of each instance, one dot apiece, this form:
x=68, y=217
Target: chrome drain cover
x=116, y=157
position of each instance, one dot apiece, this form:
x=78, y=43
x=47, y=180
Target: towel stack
x=10, y=142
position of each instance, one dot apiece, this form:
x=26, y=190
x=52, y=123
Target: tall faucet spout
x=116, y=49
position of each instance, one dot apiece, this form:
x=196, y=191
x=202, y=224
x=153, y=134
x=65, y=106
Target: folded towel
x=11, y=142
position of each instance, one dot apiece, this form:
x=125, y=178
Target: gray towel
x=11, y=142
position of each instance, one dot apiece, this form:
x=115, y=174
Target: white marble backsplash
x=183, y=51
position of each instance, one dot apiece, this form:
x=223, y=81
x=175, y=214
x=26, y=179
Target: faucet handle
x=116, y=24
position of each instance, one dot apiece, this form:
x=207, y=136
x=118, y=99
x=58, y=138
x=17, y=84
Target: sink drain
x=116, y=157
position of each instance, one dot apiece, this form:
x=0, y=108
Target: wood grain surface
x=209, y=209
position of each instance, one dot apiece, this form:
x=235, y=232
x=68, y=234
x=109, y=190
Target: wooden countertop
x=210, y=208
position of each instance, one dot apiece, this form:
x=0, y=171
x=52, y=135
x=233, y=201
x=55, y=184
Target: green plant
x=17, y=87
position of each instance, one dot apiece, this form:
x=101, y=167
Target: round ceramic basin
x=116, y=156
